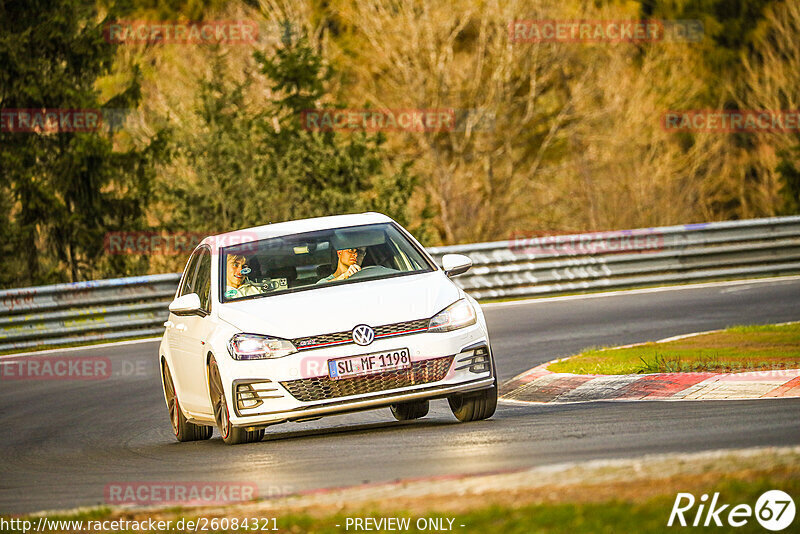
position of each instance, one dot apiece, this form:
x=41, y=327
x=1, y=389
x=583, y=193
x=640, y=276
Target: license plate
x=369, y=363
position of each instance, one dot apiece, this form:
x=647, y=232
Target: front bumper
x=369, y=403
x=469, y=367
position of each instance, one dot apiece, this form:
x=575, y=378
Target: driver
x=238, y=285
x=347, y=266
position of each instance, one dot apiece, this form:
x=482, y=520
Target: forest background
x=552, y=137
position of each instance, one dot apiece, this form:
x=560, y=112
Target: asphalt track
x=63, y=442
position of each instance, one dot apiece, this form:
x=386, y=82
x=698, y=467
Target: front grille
x=323, y=387
x=305, y=343
x=399, y=328
x=387, y=330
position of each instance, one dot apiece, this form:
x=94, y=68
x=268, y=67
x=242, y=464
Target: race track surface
x=63, y=442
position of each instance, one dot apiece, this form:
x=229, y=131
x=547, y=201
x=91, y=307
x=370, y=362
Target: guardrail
x=521, y=267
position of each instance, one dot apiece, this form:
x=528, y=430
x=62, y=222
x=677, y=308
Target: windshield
x=318, y=259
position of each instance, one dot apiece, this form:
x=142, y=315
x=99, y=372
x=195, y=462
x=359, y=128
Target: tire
x=405, y=411
x=231, y=435
x=474, y=406
x=181, y=427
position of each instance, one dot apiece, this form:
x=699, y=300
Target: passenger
x=238, y=285
x=347, y=266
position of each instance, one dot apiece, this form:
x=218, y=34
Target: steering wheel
x=370, y=270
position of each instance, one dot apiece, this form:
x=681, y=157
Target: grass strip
x=736, y=349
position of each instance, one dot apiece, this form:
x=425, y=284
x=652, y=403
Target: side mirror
x=186, y=305
x=455, y=264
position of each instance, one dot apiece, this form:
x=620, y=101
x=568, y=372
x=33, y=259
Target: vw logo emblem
x=363, y=335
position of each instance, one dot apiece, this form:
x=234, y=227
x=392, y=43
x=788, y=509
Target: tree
x=771, y=76
x=251, y=162
x=213, y=186
x=67, y=188
x=323, y=172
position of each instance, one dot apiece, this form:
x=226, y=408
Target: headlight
x=457, y=315
x=254, y=347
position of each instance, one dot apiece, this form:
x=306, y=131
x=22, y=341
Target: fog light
x=477, y=361
x=247, y=397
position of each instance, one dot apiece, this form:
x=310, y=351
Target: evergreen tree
x=323, y=172
x=67, y=188
x=252, y=163
x=790, y=171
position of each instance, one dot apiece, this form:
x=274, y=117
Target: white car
x=298, y=320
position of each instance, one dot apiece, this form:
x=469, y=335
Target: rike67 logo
x=774, y=510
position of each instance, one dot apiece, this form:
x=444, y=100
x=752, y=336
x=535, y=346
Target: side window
x=202, y=283
x=188, y=276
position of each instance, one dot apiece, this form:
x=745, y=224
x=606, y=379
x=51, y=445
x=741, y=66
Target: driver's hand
x=353, y=269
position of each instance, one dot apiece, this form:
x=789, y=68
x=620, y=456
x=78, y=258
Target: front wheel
x=231, y=435
x=474, y=406
x=405, y=411
x=183, y=429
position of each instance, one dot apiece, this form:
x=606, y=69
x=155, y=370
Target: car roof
x=297, y=227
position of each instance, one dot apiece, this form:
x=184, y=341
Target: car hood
x=339, y=308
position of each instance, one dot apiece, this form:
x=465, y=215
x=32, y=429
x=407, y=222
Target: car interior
x=299, y=261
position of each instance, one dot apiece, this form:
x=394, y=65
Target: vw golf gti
x=298, y=320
